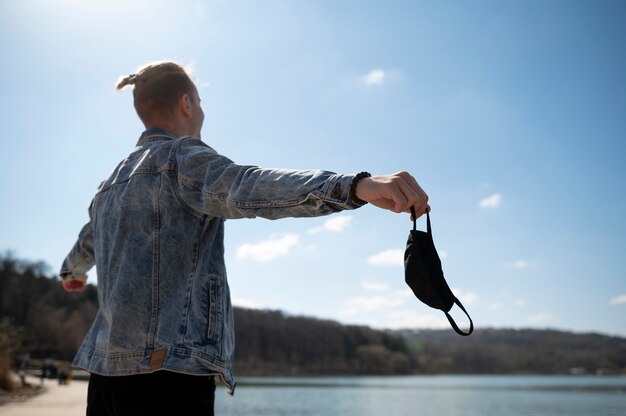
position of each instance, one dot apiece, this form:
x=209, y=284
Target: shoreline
x=53, y=400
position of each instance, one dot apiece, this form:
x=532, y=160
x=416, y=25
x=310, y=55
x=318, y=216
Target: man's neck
x=177, y=129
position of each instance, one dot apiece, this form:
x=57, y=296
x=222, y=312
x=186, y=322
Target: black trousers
x=159, y=393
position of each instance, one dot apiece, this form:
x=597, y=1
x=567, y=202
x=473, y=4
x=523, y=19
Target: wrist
x=67, y=276
x=353, y=197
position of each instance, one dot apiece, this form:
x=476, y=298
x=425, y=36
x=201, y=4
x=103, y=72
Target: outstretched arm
x=79, y=260
x=212, y=184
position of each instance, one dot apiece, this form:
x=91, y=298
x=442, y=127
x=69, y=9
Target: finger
x=413, y=183
x=420, y=211
x=401, y=193
x=383, y=203
x=422, y=198
x=397, y=195
x=422, y=195
x=400, y=201
x=411, y=180
x=415, y=196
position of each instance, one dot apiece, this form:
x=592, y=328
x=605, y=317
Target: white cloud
x=375, y=286
x=374, y=77
x=387, y=258
x=519, y=302
x=492, y=201
x=406, y=293
x=359, y=304
x=519, y=264
x=267, y=250
x=619, y=300
x=388, y=309
x=335, y=224
x=246, y=303
x=369, y=303
x=408, y=318
x=540, y=318
x=466, y=298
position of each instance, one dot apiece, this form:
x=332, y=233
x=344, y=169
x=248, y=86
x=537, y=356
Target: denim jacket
x=156, y=234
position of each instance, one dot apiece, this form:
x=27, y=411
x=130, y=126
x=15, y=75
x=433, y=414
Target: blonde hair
x=157, y=87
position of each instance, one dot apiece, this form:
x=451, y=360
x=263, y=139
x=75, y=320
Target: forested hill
x=270, y=342
x=37, y=316
x=513, y=351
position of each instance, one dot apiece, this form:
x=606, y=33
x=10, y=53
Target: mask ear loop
x=454, y=325
x=428, y=228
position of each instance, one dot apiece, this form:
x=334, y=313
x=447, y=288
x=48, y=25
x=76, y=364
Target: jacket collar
x=155, y=133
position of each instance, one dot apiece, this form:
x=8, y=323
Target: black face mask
x=424, y=275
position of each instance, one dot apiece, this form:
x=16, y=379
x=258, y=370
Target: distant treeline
x=46, y=320
x=511, y=351
x=270, y=342
x=38, y=317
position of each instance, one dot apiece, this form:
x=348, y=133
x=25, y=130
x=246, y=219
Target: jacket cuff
x=336, y=190
x=68, y=272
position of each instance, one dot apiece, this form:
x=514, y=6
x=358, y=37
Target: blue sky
x=511, y=115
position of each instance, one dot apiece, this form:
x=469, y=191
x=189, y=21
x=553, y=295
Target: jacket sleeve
x=81, y=257
x=213, y=185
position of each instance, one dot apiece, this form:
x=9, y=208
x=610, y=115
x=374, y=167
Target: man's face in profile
x=197, y=118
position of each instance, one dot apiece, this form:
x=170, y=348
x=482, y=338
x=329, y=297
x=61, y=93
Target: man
x=165, y=324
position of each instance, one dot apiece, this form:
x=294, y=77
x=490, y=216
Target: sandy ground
x=69, y=400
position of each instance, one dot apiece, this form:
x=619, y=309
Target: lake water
x=426, y=396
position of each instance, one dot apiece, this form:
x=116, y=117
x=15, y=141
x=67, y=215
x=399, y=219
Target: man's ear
x=184, y=104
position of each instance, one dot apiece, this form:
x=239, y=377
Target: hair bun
x=123, y=81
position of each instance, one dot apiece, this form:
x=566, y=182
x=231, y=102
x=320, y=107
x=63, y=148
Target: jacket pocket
x=211, y=312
